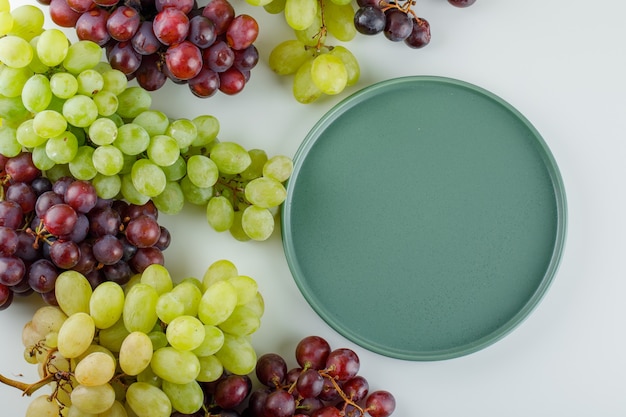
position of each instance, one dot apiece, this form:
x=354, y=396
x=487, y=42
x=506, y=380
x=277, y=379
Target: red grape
x=123, y=23
x=170, y=26
x=232, y=81
x=184, y=60
x=242, y=32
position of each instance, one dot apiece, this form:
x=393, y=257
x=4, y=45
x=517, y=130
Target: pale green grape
x=94, y=347
x=94, y=400
x=139, y=313
x=230, y=157
x=163, y=150
x=329, y=74
x=80, y=110
x=339, y=19
x=148, y=376
x=241, y=322
x=288, y=56
x=36, y=93
x=265, y=192
x=97, y=368
x=194, y=194
x=257, y=304
x=300, y=14
x=186, y=398
x=246, y=288
x=255, y=169
x=49, y=123
x=35, y=64
x=106, y=304
x=135, y=353
x=185, y=333
x=82, y=55
x=158, y=277
x=48, y=319
x=133, y=101
x=63, y=85
x=73, y=292
x=183, y=131
x=202, y=171
x=189, y=292
x=217, y=303
x=113, y=337
x=173, y=365
x=177, y=170
x=115, y=81
x=15, y=52
x=169, y=306
x=5, y=6
x=237, y=355
x=6, y=22
x=155, y=122
x=350, y=61
x=12, y=110
x=210, y=369
x=108, y=160
x=62, y=148
x=146, y=400
x=207, y=128
x=130, y=193
x=41, y=160
x=148, y=178
x=213, y=341
x=257, y=222
x=75, y=335
x=103, y=131
x=275, y=6
x=236, y=230
x=171, y=200
x=107, y=186
x=116, y=410
x=106, y=102
x=41, y=407
x=304, y=89
x=9, y=145
x=132, y=139
x=313, y=36
x=52, y=47
x=81, y=166
x=13, y=80
x=220, y=213
x=28, y=21
x=219, y=270
x=90, y=82
x=278, y=167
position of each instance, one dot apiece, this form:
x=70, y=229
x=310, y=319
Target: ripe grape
x=461, y=3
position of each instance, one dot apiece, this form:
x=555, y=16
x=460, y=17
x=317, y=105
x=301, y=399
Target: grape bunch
x=49, y=227
x=324, y=384
x=209, y=48
x=152, y=349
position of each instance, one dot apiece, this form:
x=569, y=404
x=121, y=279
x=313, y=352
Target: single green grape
x=230, y=157
x=207, y=128
x=288, y=56
x=15, y=52
x=148, y=178
x=300, y=14
x=82, y=55
x=90, y=82
x=350, y=62
x=63, y=84
x=28, y=21
x=102, y=131
x=257, y=222
x=107, y=186
x=329, y=74
x=339, y=19
x=265, y=192
x=304, y=89
x=62, y=148
x=163, y=150
x=184, y=131
x=108, y=160
x=52, y=47
x=13, y=80
x=26, y=135
x=220, y=213
x=36, y=93
x=80, y=110
x=155, y=122
x=82, y=167
x=202, y=171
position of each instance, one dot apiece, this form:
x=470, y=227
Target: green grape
x=177, y=170
x=52, y=47
x=230, y=157
x=217, y=303
x=202, y=171
x=107, y=186
x=132, y=139
x=186, y=398
x=163, y=150
x=237, y=355
x=139, y=313
x=90, y=82
x=207, y=128
x=246, y=287
x=97, y=368
x=210, y=369
x=158, y=277
x=213, y=341
x=171, y=200
x=9, y=145
x=63, y=84
x=255, y=169
x=82, y=167
x=339, y=20
x=49, y=123
x=194, y=194
x=93, y=400
x=146, y=400
x=236, y=230
x=5, y=6
x=115, y=81
x=288, y=56
x=12, y=110
x=241, y=322
x=116, y=410
x=220, y=270
x=258, y=2
x=278, y=167
x=329, y=74
x=106, y=304
x=350, y=61
x=6, y=22
x=275, y=6
x=130, y=193
x=102, y=131
x=42, y=407
x=300, y=14
x=35, y=64
x=40, y=159
x=94, y=347
x=135, y=353
x=189, y=292
x=62, y=148
x=82, y=55
x=113, y=337
x=153, y=121
x=108, y=160
x=106, y=102
x=148, y=376
x=183, y=131
x=265, y=192
x=73, y=292
x=148, y=178
x=304, y=89
x=169, y=306
x=313, y=36
x=36, y=93
x=58, y=171
x=15, y=52
x=13, y=80
x=133, y=101
x=257, y=222
x=173, y=365
x=28, y=21
x=185, y=333
x=257, y=305
x=129, y=160
x=80, y=111
x=220, y=213
x=75, y=335
x=48, y=319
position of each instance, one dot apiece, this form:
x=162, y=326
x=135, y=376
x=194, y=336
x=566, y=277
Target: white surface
x=562, y=64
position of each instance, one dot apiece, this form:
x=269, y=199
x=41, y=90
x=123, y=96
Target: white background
x=562, y=63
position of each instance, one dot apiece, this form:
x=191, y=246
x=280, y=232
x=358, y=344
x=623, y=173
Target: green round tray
x=425, y=218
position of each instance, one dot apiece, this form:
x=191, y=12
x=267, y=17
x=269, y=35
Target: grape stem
x=321, y=34
x=406, y=7
x=347, y=401
x=27, y=389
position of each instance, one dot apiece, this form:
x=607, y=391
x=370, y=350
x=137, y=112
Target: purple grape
x=11, y=214
x=144, y=41
x=123, y=23
x=92, y=26
x=42, y=275
x=398, y=25
x=12, y=270
x=107, y=249
x=420, y=34
x=202, y=31
x=369, y=20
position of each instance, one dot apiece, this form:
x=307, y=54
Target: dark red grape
x=92, y=26
x=40, y=185
x=23, y=194
x=6, y=297
x=9, y=241
x=420, y=34
x=104, y=221
x=64, y=254
x=45, y=201
x=398, y=25
x=231, y=391
x=11, y=214
x=356, y=388
x=132, y=211
x=183, y=5
x=170, y=26
x=312, y=352
x=86, y=262
x=60, y=219
x=26, y=248
x=342, y=364
x=242, y=31
x=232, y=81
x=120, y=272
x=165, y=238
x=310, y=383
x=144, y=41
x=205, y=84
x=462, y=3
x=184, y=60
x=329, y=391
x=279, y=403
x=369, y=20
x=146, y=257
x=62, y=14
x=123, y=23
x=271, y=369
x=149, y=75
x=218, y=57
x=81, y=6
x=107, y=249
x=143, y=231
x=12, y=270
x=106, y=3
x=60, y=185
x=20, y=168
x=380, y=404
x=123, y=57
x=80, y=231
x=246, y=59
x=201, y=31
x=221, y=13
x=81, y=196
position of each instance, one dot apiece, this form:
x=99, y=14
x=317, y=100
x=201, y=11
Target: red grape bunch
x=396, y=20
x=47, y=227
x=209, y=48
